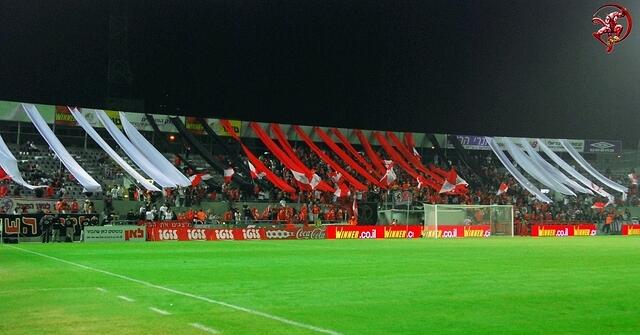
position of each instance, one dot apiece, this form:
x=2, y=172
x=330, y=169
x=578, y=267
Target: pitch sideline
x=186, y=294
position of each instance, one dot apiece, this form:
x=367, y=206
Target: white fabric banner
x=114, y=155
x=89, y=184
x=522, y=180
x=152, y=154
x=570, y=170
x=533, y=169
x=9, y=164
x=585, y=165
x=133, y=153
x=552, y=170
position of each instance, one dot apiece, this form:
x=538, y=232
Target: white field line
x=186, y=294
x=204, y=328
x=159, y=311
x=101, y=289
x=126, y=298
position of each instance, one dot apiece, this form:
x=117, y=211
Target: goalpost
x=445, y=221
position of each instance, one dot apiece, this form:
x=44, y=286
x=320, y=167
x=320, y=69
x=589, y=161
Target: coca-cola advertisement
x=289, y=233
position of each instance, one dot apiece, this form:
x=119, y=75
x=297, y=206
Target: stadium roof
x=489, y=67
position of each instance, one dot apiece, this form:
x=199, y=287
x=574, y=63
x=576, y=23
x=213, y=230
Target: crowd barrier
x=27, y=228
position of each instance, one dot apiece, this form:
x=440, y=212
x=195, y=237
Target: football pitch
x=464, y=286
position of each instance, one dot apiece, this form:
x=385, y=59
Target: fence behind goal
x=467, y=220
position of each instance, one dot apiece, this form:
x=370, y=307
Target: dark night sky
x=522, y=68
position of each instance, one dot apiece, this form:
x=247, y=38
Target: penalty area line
x=186, y=294
x=204, y=328
x=126, y=298
x=159, y=311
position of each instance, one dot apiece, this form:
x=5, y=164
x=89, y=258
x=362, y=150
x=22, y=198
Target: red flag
x=197, y=178
x=449, y=183
x=453, y=183
x=599, y=205
x=503, y=188
x=312, y=180
x=335, y=176
x=421, y=181
x=4, y=175
x=342, y=191
x=228, y=174
x=389, y=176
x=255, y=174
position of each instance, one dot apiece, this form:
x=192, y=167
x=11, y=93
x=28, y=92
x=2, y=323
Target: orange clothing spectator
x=75, y=208
x=353, y=221
x=228, y=216
x=201, y=215
x=303, y=216
x=282, y=215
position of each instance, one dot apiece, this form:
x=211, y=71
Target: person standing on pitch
x=55, y=225
x=45, y=225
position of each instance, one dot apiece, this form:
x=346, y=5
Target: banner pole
x=436, y=221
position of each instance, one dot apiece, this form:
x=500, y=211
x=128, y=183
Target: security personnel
x=55, y=224
x=45, y=224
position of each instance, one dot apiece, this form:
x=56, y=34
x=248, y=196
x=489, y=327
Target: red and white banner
x=228, y=174
x=458, y=231
x=235, y=234
x=631, y=229
x=560, y=230
x=354, y=232
x=400, y=231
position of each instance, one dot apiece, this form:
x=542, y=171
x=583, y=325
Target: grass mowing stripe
x=19, y=290
x=126, y=298
x=193, y=296
x=159, y=311
x=204, y=328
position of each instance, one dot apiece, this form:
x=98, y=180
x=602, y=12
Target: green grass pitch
x=464, y=286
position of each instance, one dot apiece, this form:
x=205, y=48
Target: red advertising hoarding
x=378, y=232
x=156, y=233
x=631, y=229
x=355, y=232
x=558, y=230
x=457, y=231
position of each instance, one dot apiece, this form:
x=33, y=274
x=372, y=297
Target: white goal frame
x=434, y=209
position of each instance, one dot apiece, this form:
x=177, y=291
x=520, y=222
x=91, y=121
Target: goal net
x=445, y=221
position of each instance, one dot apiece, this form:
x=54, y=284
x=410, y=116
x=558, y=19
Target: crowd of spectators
x=483, y=185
